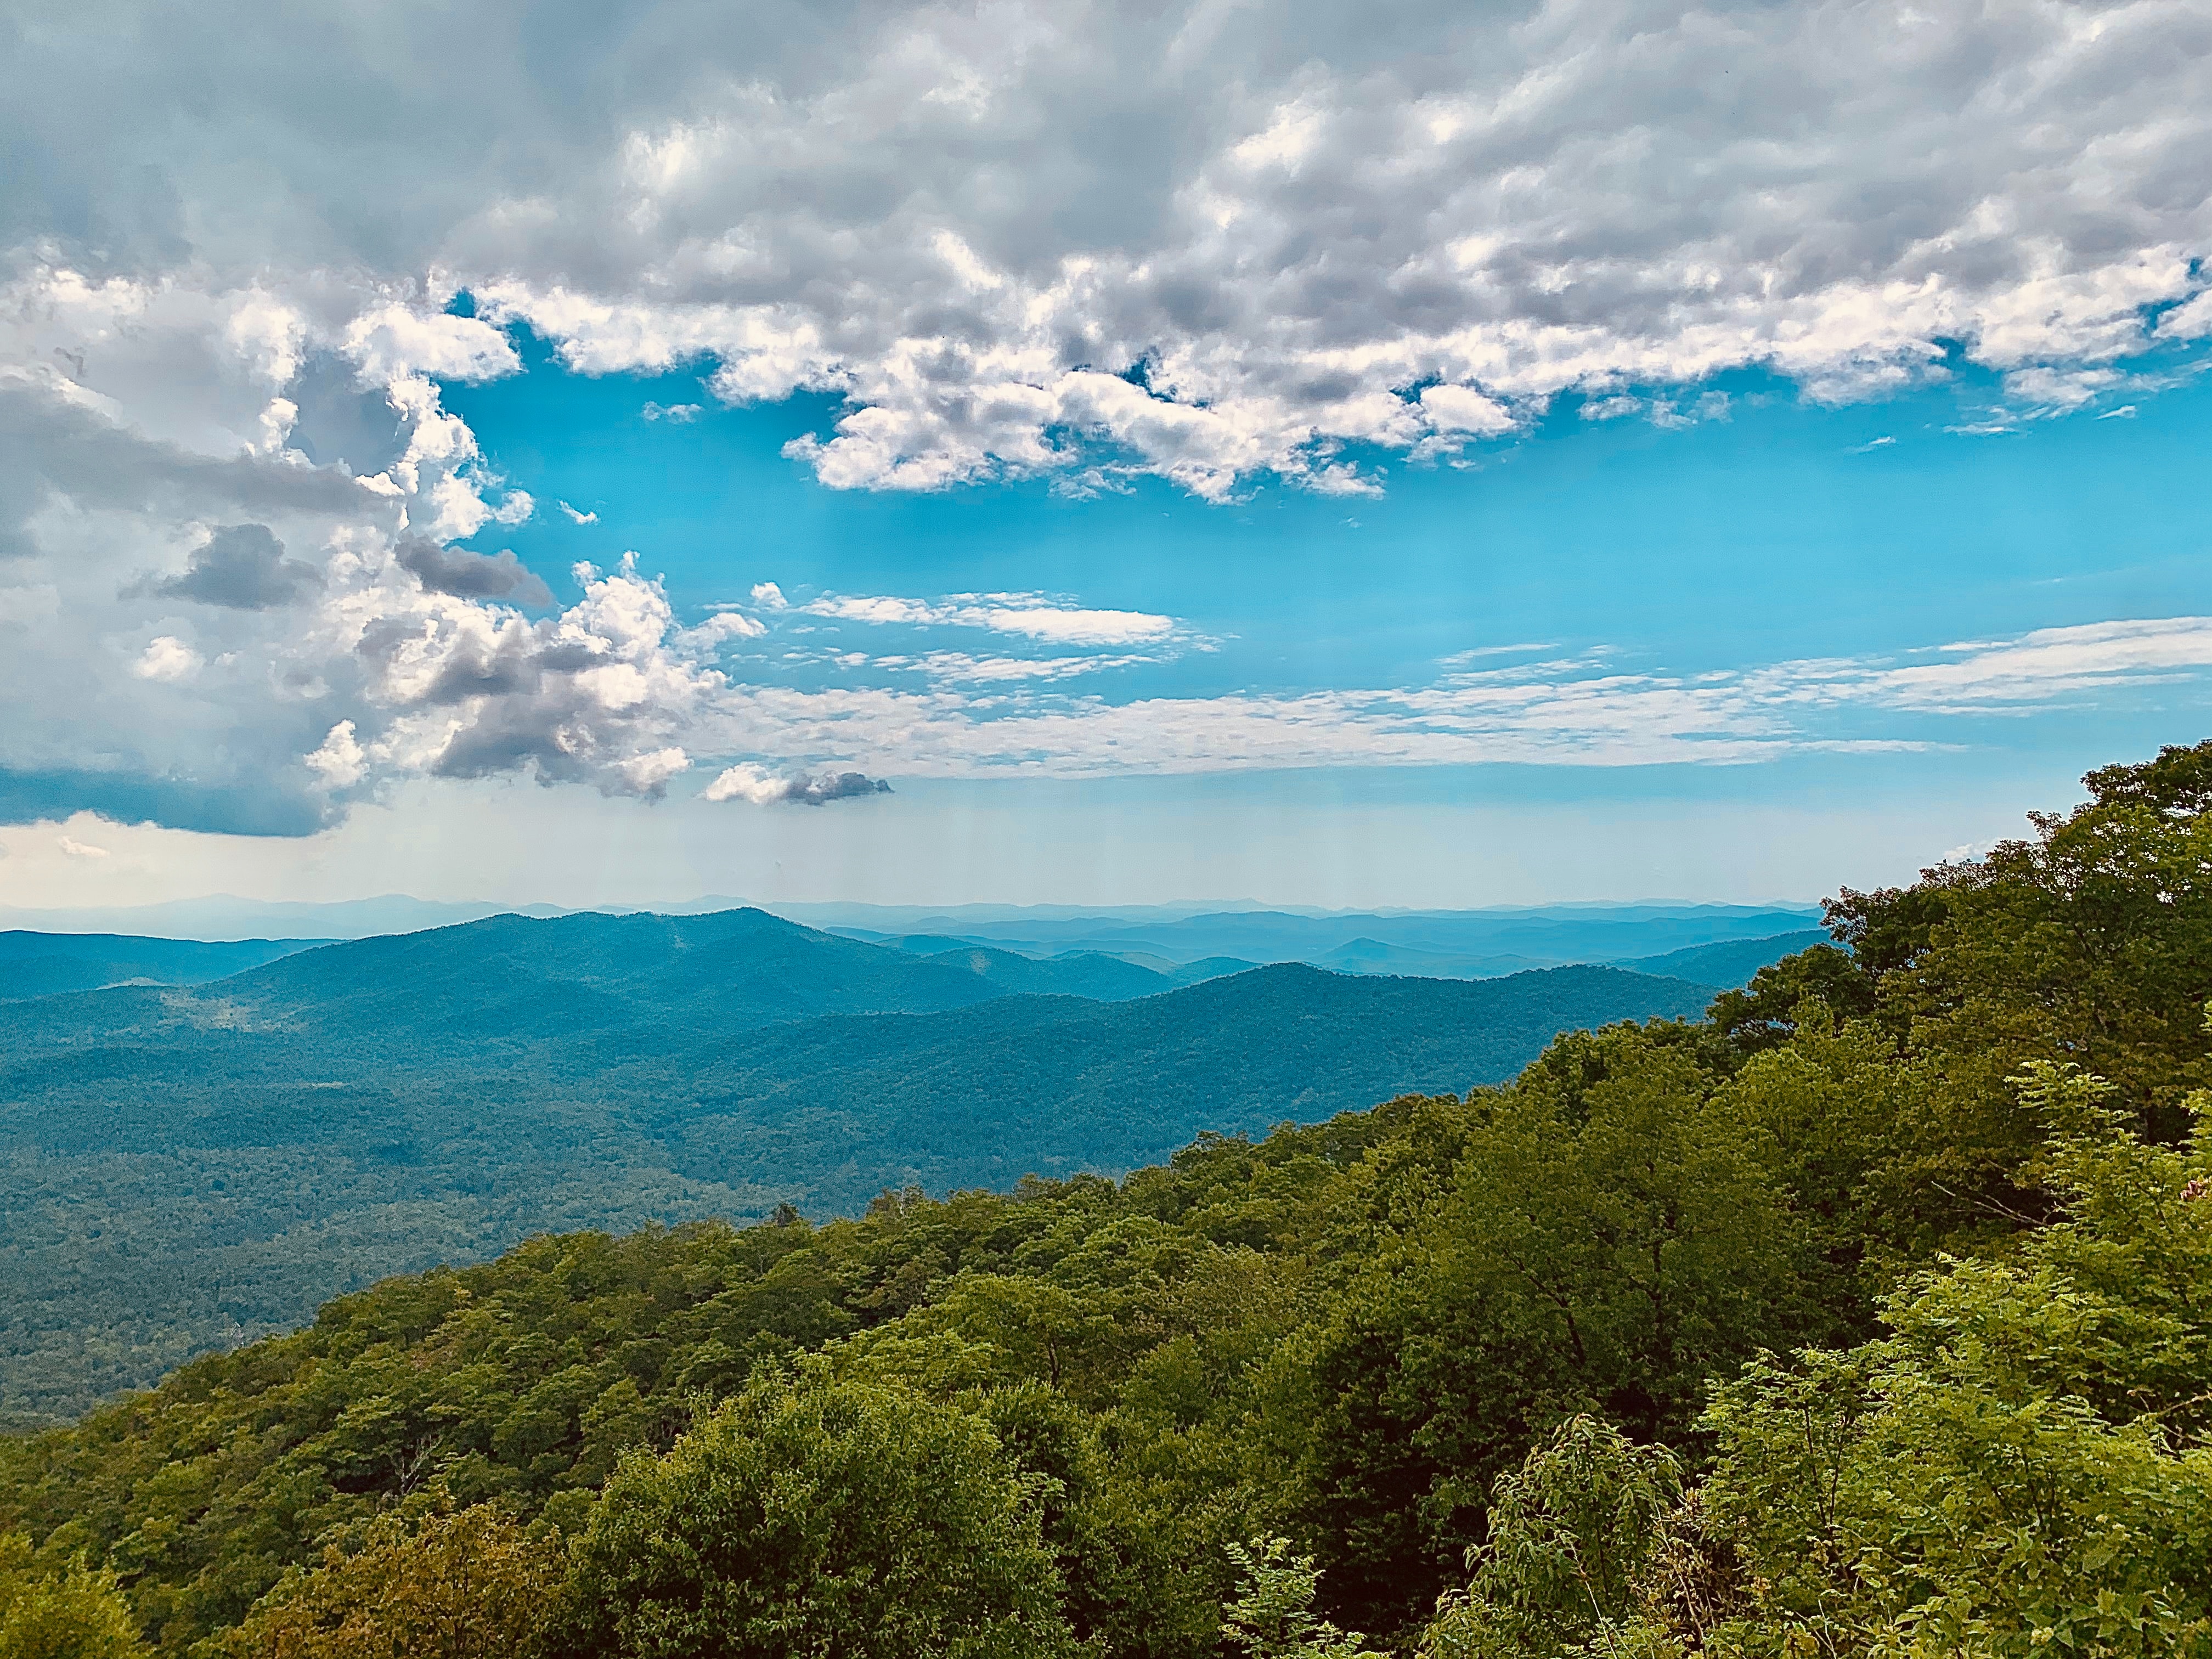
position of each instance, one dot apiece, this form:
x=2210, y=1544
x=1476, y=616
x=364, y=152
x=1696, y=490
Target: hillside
x=43, y=964
x=1604, y=1359
x=182, y=1169
x=1727, y=963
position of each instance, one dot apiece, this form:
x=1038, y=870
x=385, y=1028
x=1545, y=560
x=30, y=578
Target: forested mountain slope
x=1872, y=1316
x=182, y=1170
x=42, y=964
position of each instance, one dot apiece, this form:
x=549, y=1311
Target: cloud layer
x=1209, y=242
x=1206, y=240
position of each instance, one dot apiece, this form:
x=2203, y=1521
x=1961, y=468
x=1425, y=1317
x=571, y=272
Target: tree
x=1273, y=1617
x=811, y=1514
x=472, y=1585
x=75, y=1613
x=1572, y=1533
x=1601, y=1248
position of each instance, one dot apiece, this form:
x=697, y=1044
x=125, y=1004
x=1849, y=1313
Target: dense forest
x=1869, y=1315
x=189, y=1169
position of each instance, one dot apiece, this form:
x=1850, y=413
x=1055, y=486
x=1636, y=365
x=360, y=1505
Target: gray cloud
x=242, y=567
x=835, y=786
x=757, y=786
x=472, y=575
x=970, y=222
x=291, y=660
x=1312, y=227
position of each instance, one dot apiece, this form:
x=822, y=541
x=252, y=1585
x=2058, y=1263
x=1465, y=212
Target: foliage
x=72, y=1611
x=1872, y=1316
x=817, y=1516
x=2019, y=1468
x=1274, y=1617
x=1572, y=1535
x=471, y=1585
x=183, y=1171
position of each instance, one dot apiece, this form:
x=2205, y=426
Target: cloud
x=1199, y=243
x=1580, y=711
x=758, y=787
x=769, y=597
x=959, y=666
x=471, y=575
x=674, y=414
x=243, y=567
x=167, y=658
x=576, y=517
x=724, y=626
x=1028, y=614
x=310, y=649
x=78, y=849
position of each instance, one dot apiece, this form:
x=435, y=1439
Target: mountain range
x=184, y=1167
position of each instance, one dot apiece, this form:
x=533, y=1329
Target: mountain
x=1448, y=944
x=1076, y=973
x=186, y=1168
x=1730, y=963
x=42, y=964
x=1370, y=956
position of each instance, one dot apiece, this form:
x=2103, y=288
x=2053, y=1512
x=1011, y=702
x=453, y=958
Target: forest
x=1868, y=1314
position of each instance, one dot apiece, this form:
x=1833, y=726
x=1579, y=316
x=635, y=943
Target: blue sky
x=1775, y=533
x=1095, y=454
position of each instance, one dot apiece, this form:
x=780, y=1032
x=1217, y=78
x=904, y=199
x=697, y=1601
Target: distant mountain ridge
x=47, y=964
x=183, y=1167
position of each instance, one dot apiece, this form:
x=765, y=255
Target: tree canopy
x=1871, y=1315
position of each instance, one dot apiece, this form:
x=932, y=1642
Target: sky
x=1092, y=453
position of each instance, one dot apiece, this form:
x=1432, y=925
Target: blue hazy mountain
x=184, y=1167
x=1729, y=963
x=33, y=964
x=1457, y=945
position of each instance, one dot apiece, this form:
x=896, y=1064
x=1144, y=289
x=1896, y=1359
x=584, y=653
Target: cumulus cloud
x=1096, y=244
x=243, y=567
x=167, y=658
x=300, y=645
x=1199, y=243
x=757, y=786
x=472, y=575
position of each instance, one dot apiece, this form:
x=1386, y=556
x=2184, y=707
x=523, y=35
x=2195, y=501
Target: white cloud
x=576, y=516
x=1289, y=223
x=235, y=640
x=674, y=414
x=78, y=849
x=1030, y=615
x=769, y=597
x=397, y=342
x=959, y=667
x=757, y=786
x=167, y=658
x=724, y=626
x=1571, y=712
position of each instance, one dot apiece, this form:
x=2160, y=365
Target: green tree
x=2022, y=1467
x=72, y=1613
x=1586, y=1246
x=1572, y=1533
x=1272, y=1617
x=472, y=1585
x=811, y=1514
